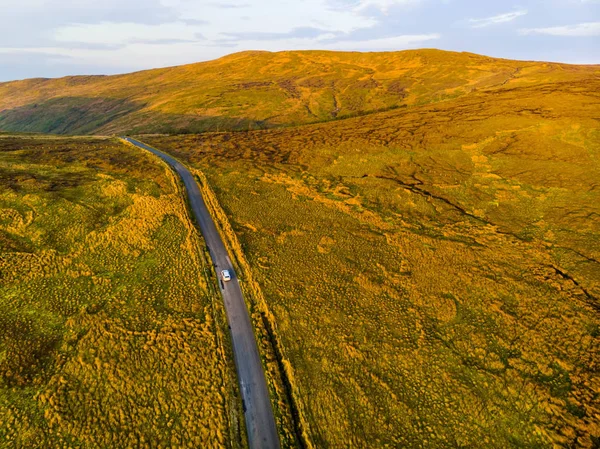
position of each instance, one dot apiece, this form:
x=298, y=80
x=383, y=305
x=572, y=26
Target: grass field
x=254, y=90
x=111, y=331
x=433, y=273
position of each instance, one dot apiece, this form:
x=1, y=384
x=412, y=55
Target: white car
x=225, y=275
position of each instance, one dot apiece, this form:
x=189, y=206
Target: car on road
x=225, y=275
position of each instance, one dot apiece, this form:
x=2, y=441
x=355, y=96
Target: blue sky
x=50, y=38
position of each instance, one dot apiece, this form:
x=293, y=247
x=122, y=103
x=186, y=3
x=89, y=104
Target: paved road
x=260, y=422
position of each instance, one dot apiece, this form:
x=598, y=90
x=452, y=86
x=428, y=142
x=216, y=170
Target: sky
x=52, y=38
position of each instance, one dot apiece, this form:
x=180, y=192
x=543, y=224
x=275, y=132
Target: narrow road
x=260, y=422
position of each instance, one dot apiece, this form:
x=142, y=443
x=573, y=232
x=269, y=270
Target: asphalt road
x=260, y=422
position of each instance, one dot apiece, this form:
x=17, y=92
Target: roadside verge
x=290, y=411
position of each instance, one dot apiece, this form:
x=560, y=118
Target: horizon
x=58, y=38
x=74, y=75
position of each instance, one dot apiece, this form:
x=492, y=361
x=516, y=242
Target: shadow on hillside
x=70, y=115
x=81, y=115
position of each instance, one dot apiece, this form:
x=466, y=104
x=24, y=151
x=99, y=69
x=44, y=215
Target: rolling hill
x=432, y=274
x=253, y=90
x=425, y=272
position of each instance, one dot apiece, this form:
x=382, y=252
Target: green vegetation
x=433, y=273
x=253, y=90
x=111, y=331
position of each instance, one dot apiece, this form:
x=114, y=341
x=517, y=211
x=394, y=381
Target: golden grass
x=111, y=331
x=289, y=414
x=253, y=90
x=433, y=273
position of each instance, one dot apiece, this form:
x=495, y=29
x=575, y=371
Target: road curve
x=260, y=422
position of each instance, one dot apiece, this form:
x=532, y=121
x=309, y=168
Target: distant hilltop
x=252, y=90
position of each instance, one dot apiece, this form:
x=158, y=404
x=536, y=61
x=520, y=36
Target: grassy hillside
x=433, y=273
x=259, y=89
x=110, y=334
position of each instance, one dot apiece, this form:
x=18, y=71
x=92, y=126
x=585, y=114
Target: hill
x=433, y=273
x=252, y=90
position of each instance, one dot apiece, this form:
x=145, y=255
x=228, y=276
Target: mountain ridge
x=257, y=89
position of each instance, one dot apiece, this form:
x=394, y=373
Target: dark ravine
x=258, y=411
x=563, y=274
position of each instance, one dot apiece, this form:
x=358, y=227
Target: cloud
x=123, y=33
x=382, y=5
x=230, y=5
x=389, y=43
x=33, y=12
x=305, y=32
x=587, y=29
x=30, y=23
x=237, y=22
x=18, y=55
x=227, y=22
x=500, y=18
x=274, y=16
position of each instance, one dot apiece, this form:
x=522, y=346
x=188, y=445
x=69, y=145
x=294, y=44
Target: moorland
x=111, y=329
x=254, y=90
x=433, y=273
x=417, y=235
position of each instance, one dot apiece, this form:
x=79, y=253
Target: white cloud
x=273, y=16
x=326, y=36
x=220, y=21
x=500, y=18
x=586, y=29
x=207, y=29
x=123, y=33
x=389, y=43
x=382, y=5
